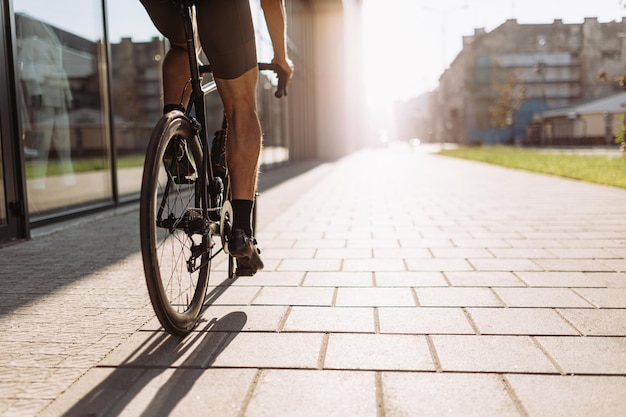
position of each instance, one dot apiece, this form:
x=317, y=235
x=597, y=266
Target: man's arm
x=276, y=19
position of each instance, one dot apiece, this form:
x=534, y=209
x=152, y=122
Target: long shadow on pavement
x=188, y=357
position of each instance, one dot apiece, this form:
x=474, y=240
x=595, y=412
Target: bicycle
x=185, y=200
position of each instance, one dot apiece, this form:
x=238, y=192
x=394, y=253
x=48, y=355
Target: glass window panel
x=137, y=50
x=60, y=64
x=3, y=202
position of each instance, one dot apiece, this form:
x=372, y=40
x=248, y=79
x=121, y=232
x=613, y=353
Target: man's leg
x=175, y=76
x=243, y=146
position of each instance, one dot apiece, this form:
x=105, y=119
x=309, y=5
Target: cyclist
x=227, y=37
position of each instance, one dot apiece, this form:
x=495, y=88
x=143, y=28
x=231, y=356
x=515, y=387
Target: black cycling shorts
x=225, y=28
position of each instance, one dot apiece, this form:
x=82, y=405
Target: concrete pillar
x=336, y=71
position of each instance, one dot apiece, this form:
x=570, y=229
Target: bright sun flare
x=400, y=55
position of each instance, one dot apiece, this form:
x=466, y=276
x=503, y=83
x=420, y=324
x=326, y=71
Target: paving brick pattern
x=398, y=283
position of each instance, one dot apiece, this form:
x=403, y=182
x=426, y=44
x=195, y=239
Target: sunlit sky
x=417, y=39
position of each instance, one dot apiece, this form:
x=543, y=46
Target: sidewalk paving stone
x=570, y=396
x=457, y=297
x=402, y=253
x=288, y=253
x=257, y=318
x=502, y=264
x=587, y=355
x=461, y=253
x=597, y=322
x=309, y=265
x=504, y=354
x=272, y=350
x=609, y=279
x=423, y=320
x=375, y=297
x=344, y=253
x=520, y=321
x=534, y=243
x=235, y=296
x=409, y=279
x=484, y=279
x=541, y=297
x=581, y=253
x=338, y=279
x=422, y=243
x=383, y=352
x=614, y=264
x=293, y=296
x=271, y=278
x=440, y=395
x=515, y=253
x=320, y=393
x=374, y=265
x=585, y=265
x=605, y=297
x=439, y=264
x=330, y=320
x=558, y=279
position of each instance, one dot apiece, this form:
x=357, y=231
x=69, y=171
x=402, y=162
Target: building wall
x=557, y=65
x=335, y=60
x=302, y=98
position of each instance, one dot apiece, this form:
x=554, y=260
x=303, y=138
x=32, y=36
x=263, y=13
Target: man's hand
x=284, y=75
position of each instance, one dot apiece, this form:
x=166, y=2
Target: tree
x=620, y=81
x=512, y=95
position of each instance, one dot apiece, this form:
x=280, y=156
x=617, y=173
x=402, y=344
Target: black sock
x=242, y=213
x=169, y=107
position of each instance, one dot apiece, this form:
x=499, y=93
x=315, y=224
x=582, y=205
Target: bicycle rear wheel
x=175, y=241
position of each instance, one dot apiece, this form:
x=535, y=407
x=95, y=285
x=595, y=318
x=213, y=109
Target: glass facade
x=87, y=94
x=61, y=98
x=137, y=51
x=3, y=203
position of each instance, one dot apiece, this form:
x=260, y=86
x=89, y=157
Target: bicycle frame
x=196, y=98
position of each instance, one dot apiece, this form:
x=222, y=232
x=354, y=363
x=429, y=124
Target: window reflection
x=60, y=95
x=136, y=54
x=136, y=105
x=48, y=98
x=3, y=203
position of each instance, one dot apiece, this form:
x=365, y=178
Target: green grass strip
x=607, y=170
x=85, y=165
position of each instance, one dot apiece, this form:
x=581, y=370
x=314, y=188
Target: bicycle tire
x=171, y=219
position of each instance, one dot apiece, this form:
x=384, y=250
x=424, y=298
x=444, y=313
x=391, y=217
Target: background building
x=555, y=66
x=80, y=90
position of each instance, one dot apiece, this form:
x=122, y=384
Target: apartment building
x=555, y=65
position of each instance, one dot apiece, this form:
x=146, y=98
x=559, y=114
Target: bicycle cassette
x=226, y=219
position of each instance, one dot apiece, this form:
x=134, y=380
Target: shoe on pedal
x=245, y=250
